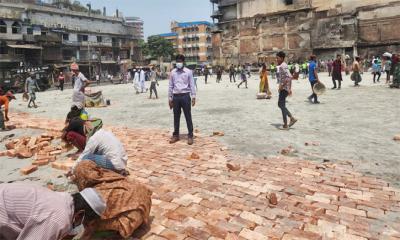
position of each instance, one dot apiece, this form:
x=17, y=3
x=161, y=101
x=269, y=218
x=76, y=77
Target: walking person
x=182, y=96
x=142, y=79
x=264, y=84
x=243, y=77
x=61, y=81
x=388, y=67
x=285, y=89
x=206, y=74
x=376, y=70
x=313, y=78
x=153, y=83
x=219, y=74
x=31, y=86
x=356, y=76
x=136, y=81
x=337, y=72
x=232, y=73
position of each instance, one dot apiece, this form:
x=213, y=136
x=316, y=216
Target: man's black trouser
x=313, y=95
x=282, y=105
x=232, y=76
x=62, y=85
x=153, y=88
x=206, y=78
x=379, y=75
x=182, y=102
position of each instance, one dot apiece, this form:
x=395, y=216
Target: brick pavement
x=197, y=197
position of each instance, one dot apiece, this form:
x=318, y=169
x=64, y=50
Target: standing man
x=154, y=82
x=329, y=64
x=219, y=74
x=388, y=66
x=285, y=89
x=376, y=70
x=142, y=78
x=337, y=72
x=31, y=86
x=313, y=78
x=232, y=73
x=61, y=81
x=5, y=100
x=206, y=74
x=136, y=80
x=356, y=77
x=181, y=89
x=80, y=82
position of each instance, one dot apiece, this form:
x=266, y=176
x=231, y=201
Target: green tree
x=159, y=48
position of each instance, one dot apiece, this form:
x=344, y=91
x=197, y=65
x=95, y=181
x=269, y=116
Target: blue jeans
x=100, y=160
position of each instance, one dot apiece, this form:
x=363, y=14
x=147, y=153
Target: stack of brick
x=39, y=148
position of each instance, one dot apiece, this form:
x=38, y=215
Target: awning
x=108, y=62
x=26, y=46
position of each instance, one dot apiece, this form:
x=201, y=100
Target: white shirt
x=79, y=81
x=142, y=76
x=28, y=211
x=107, y=144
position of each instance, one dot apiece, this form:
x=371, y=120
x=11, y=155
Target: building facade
x=37, y=34
x=193, y=40
x=250, y=31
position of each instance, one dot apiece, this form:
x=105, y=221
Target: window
x=99, y=39
x=43, y=33
x=289, y=2
x=65, y=37
x=3, y=48
x=3, y=27
x=83, y=38
x=29, y=31
x=19, y=51
x=16, y=28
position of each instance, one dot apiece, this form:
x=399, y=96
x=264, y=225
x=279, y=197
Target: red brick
x=28, y=170
x=40, y=162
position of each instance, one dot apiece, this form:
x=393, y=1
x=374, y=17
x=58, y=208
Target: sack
x=352, y=77
x=92, y=126
x=25, y=97
x=261, y=95
x=319, y=88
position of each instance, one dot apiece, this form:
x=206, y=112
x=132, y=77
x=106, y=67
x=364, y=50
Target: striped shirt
x=30, y=212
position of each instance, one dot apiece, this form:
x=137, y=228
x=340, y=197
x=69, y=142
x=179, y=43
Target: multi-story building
x=248, y=31
x=193, y=40
x=37, y=34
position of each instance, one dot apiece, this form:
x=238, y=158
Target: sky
x=157, y=14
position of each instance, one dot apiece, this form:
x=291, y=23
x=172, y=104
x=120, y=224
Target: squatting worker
x=106, y=150
x=5, y=101
x=181, y=89
x=80, y=82
x=32, y=212
x=285, y=89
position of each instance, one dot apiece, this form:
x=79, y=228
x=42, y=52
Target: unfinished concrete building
x=251, y=31
x=34, y=34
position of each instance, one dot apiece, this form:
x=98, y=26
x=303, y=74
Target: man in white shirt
x=106, y=150
x=80, y=82
x=33, y=212
x=142, y=80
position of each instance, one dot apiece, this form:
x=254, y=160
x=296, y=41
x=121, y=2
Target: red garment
x=337, y=66
x=76, y=139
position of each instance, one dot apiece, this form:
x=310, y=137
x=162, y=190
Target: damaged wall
x=358, y=27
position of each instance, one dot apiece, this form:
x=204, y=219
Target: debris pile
x=39, y=148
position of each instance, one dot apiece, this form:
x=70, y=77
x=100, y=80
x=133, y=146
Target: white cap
x=95, y=201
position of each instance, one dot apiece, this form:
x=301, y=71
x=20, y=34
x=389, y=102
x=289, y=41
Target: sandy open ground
x=353, y=124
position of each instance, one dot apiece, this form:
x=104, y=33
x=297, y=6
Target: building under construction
x=250, y=31
x=34, y=34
